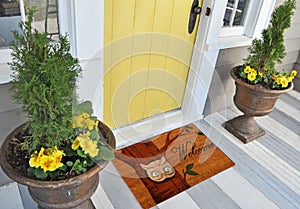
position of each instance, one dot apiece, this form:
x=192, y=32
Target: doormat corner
x=163, y=166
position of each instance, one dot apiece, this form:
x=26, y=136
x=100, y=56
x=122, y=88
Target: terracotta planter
x=71, y=193
x=252, y=100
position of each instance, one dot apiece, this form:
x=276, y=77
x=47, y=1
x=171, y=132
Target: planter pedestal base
x=86, y=205
x=245, y=128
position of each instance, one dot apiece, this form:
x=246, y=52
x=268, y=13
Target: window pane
x=9, y=19
x=235, y=13
x=240, y=13
x=45, y=18
x=226, y=19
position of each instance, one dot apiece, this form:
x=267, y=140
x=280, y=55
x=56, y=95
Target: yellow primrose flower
x=90, y=124
x=96, y=125
x=290, y=79
x=85, y=115
x=77, y=121
x=83, y=121
x=278, y=80
x=41, y=153
x=293, y=73
x=58, y=154
x=48, y=163
x=284, y=82
x=275, y=77
x=58, y=159
x=34, y=161
x=260, y=74
x=48, y=159
x=251, y=76
x=253, y=71
x=247, y=69
x=91, y=148
x=82, y=138
x=75, y=144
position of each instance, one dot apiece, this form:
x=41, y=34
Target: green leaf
x=53, y=174
x=81, y=153
x=189, y=166
x=85, y=106
x=40, y=174
x=63, y=168
x=243, y=75
x=105, y=154
x=90, y=162
x=79, y=167
x=70, y=163
x=192, y=173
x=30, y=171
x=94, y=135
x=77, y=162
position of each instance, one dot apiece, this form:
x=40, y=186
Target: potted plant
x=60, y=150
x=258, y=82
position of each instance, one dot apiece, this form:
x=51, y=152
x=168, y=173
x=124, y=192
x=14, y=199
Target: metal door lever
x=195, y=10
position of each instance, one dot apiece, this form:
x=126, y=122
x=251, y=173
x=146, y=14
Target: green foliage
x=40, y=174
x=84, y=107
x=44, y=79
x=80, y=166
x=105, y=154
x=266, y=52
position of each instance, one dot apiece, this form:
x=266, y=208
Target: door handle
x=195, y=10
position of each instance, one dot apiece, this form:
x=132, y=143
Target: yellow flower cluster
x=48, y=159
x=83, y=140
x=251, y=73
x=84, y=121
x=88, y=146
x=284, y=80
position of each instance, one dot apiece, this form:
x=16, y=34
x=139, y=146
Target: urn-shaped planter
x=252, y=100
x=73, y=193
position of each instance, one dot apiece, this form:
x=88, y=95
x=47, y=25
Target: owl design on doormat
x=159, y=170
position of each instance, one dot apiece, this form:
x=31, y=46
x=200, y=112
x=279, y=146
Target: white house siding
x=222, y=87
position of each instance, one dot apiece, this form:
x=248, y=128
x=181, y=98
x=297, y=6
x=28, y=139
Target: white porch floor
x=266, y=174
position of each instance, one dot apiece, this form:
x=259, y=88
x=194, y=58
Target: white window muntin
x=252, y=11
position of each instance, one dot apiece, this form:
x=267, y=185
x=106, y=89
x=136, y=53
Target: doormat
x=163, y=166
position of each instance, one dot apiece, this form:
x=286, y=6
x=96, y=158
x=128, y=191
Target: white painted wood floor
x=266, y=174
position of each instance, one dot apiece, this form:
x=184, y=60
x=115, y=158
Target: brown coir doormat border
x=158, y=168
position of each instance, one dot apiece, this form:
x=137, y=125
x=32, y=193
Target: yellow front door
x=146, y=58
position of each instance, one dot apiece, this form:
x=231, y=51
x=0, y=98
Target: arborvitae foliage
x=266, y=52
x=44, y=80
